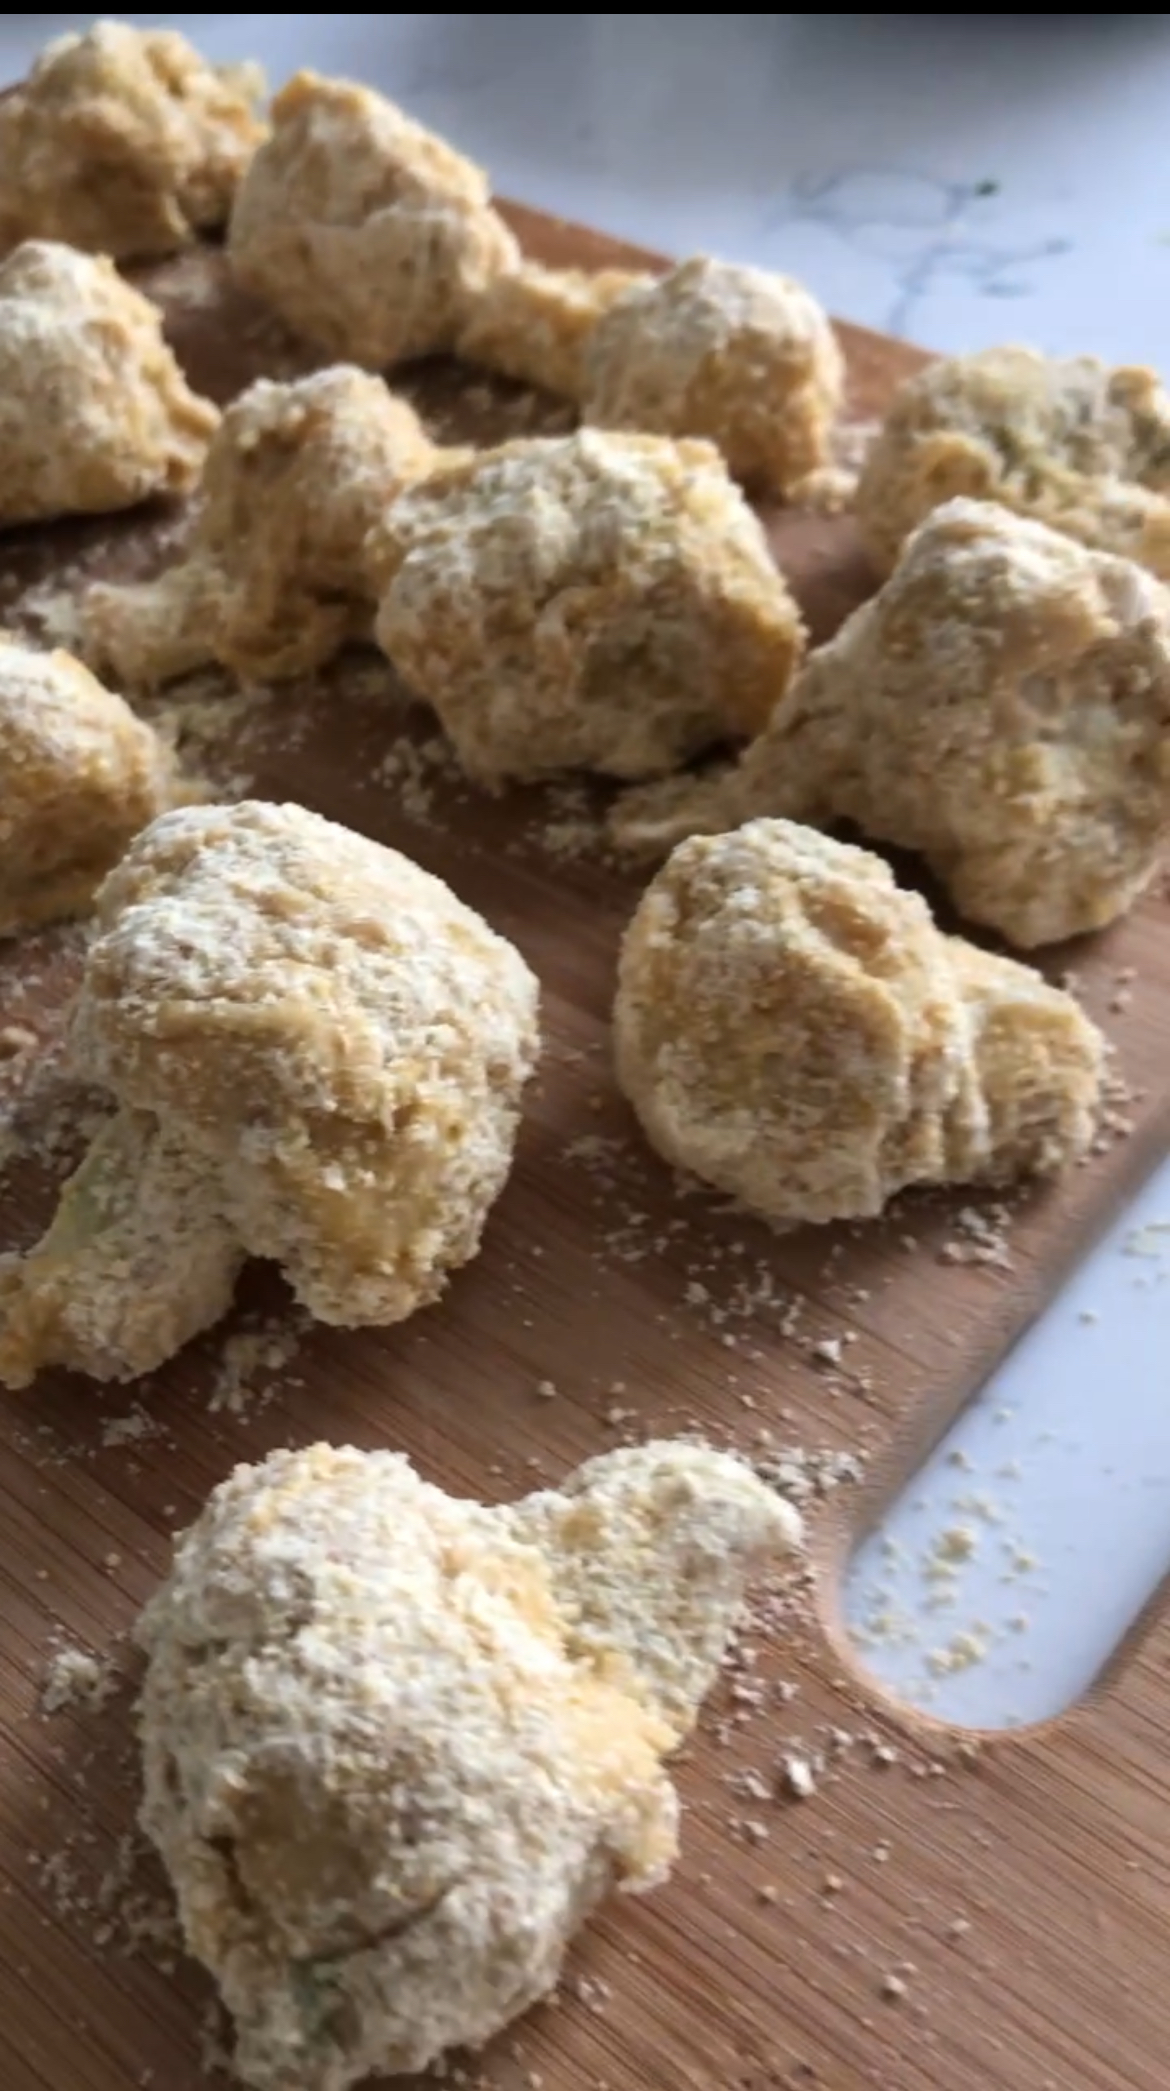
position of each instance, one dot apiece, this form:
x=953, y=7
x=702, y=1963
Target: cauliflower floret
x=79, y=776
x=125, y=142
x=272, y=581
x=791, y=1026
x=398, y=1746
x=603, y=602
x=1064, y=440
x=535, y=324
x=740, y=356
x=95, y=413
x=1002, y=705
x=321, y=1052
x=367, y=233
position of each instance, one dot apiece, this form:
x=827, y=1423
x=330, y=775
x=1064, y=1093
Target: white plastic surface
x=1009, y=1569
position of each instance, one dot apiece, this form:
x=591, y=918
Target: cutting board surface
x=940, y=1914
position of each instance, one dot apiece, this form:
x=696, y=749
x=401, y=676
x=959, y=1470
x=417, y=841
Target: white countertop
x=960, y=180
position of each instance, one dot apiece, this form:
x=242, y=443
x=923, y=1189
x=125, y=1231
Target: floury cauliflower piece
x=125, y=142
x=1001, y=706
x=587, y=602
x=79, y=776
x=792, y=1027
x=366, y=232
x=272, y=581
x=95, y=413
x=742, y=357
x=1062, y=439
x=317, y=1054
x=398, y=1746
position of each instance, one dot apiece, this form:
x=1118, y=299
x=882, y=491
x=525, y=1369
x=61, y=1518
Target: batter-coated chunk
x=792, y=1027
x=273, y=579
x=125, y=142
x=595, y=602
x=95, y=413
x=1065, y=440
x=367, y=233
x=738, y=355
x=318, y=1055
x=535, y=324
x=398, y=1746
x=79, y=776
x=1002, y=705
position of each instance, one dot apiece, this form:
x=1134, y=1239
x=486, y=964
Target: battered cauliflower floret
x=398, y=1746
x=79, y=776
x=95, y=413
x=1002, y=706
x=125, y=142
x=793, y=1028
x=534, y=324
x=738, y=355
x=364, y=231
x=595, y=602
x=273, y=580
x=1066, y=441
x=313, y=1030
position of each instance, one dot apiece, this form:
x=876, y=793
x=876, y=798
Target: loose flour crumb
x=134, y=1428
x=798, y=1777
x=251, y=1355
x=74, y=1677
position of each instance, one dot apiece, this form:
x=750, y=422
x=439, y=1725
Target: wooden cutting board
x=1018, y=1890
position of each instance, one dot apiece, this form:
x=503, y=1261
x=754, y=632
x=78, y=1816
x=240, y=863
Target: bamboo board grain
x=1026, y=1882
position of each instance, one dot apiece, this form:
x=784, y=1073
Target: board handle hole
x=1009, y=1570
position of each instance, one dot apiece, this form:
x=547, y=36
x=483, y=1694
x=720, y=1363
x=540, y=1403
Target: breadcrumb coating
x=272, y=581
x=535, y=324
x=740, y=356
x=1002, y=705
x=79, y=776
x=1064, y=440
